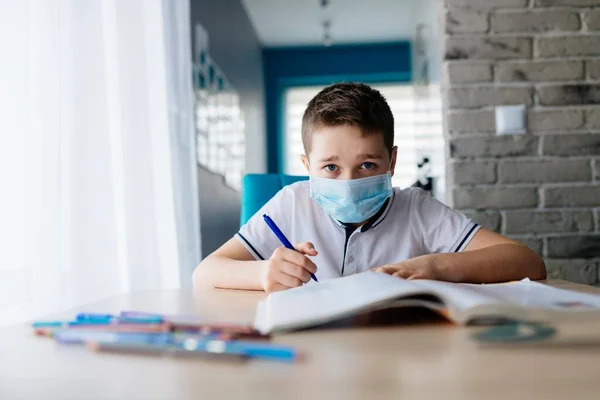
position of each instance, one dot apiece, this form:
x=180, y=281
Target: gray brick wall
x=541, y=188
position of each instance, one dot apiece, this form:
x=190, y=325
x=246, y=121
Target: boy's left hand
x=422, y=267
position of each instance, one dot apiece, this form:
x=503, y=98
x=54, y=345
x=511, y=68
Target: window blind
x=417, y=125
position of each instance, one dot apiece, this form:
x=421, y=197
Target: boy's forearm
x=226, y=273
x=498, y=263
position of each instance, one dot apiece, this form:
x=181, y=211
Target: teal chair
x=257, y=189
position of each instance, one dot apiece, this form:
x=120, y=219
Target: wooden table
x=400, y=362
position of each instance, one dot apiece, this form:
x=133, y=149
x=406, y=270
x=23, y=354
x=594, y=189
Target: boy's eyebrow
x=330, y=158
x=360, y=156
x=369, y=155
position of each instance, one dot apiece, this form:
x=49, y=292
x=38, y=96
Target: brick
x=582, y=246
x=571, y=145
x=466, y=21
x=554, y=120
x=592, y=117
x=592, y=19
x=563, y=95
x=536, y=21
x=473, y=172
x=573, y=270
x=495, y=48
x=566, y=3
x=481, y=198
x=567, y=46
x=474, y=97
x=536, y=245
x=541, y=171
x=572, y=196
x=535, y=222
x=460, y=72
x=541, y=71
x=487, y=3
x=495, y=146
x=471, y=122
x=593, y=69
x=488, y=219
x=553, y=270
x=596, y=170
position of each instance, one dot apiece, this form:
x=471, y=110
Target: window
x=418, y=130
x=219, y=118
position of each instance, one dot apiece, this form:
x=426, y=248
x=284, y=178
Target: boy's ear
x=393, y=160
x=304, y=159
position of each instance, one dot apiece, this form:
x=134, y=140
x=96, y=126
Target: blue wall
x=305, y=66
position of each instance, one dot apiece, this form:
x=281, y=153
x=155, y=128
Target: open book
x=319, y=303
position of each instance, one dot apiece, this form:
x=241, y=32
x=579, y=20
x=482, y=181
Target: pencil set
x=145, y=333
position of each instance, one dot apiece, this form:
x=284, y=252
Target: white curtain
x=97, y=163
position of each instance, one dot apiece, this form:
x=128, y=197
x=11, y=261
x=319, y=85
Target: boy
x=349, y=219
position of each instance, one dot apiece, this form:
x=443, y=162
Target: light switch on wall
x=510, y=120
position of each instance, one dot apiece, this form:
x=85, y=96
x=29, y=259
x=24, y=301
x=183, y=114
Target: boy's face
x=343, y=152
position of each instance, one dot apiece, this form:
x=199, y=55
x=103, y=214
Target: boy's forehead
x=345, y=140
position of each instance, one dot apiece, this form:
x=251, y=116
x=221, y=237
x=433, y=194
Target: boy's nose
x=347, y=175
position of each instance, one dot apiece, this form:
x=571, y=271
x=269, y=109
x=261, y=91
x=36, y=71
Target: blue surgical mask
x=351, y=201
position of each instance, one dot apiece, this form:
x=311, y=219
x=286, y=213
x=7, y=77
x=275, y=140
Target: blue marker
x=123, y=319
x=247, y=349
x=70, y=336
x=86, y=319
x=65, y=324
x=198, y=345
x=282, y=238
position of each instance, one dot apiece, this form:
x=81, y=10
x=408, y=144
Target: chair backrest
x=258, y=189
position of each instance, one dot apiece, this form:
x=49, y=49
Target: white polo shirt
x=411, y=223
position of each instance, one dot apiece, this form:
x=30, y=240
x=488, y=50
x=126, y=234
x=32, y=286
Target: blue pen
x=282, y=238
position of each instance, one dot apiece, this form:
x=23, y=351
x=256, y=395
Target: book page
x=457, y=296
x=537, y=295
x=320, y=302
x=525, y=293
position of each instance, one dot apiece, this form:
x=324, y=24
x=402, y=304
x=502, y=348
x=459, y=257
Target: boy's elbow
x=199, y=276
x=538, y=270
x=196, y=275
x=541, y=269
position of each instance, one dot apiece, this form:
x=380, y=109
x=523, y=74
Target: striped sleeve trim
x=249, y=247
x=466, y=237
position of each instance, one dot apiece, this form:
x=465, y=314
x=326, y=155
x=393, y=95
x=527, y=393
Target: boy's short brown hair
x=354, y=104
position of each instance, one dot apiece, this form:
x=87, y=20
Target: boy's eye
x=368, y=165
x=331, y=167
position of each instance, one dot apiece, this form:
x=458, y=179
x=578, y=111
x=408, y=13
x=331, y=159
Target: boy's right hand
x=288, y=268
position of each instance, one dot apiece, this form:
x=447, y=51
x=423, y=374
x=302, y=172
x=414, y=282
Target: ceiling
x=299, y=22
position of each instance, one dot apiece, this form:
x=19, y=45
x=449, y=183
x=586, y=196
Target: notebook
x=319, y=303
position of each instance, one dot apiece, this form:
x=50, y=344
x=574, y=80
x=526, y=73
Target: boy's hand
x=416, y=268
x=288, y=268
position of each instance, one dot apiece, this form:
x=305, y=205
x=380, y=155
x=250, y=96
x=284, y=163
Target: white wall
x=234, y=46
x=428, y=12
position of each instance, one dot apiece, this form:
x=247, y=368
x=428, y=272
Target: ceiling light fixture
x=327, y=33
x=327, y=40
